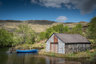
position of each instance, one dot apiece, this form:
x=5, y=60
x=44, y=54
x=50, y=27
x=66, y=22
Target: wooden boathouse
x=67, y=43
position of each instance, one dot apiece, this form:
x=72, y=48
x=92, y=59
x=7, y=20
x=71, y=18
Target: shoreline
x=84, y=54
x=87, y=53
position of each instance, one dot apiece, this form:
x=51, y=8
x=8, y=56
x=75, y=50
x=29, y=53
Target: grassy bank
x=88, y=53
x=41, y=47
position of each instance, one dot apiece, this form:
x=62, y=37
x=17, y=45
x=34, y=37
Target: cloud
x=61, y=19
x=33, y=1
x=85, y=6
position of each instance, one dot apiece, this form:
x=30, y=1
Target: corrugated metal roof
x=71, y=38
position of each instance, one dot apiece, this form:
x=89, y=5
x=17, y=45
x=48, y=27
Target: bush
x=6, y=38
x=26, y=33
x=77, y=29
x=55, y=29
x=92, y=29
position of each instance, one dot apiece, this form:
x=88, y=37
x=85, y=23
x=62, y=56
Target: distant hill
x=83, y=22
x=43, y=22
x=13, y=21
x=28, y=21
x=37, y=25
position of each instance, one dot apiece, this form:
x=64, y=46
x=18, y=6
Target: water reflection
x=51, y=60
x=24, y=59
x=36, y=59
x=14, y=58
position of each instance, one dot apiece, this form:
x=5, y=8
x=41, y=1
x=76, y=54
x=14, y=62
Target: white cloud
x=85, y=6
x=68, y=6
x=33, y=1
x=61, y=19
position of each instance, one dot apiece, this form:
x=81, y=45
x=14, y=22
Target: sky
x=53, y=10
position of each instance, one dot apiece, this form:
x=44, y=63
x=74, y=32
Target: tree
x=55, y=29
x=92, y=29
x=60, y=28
x=77, y=29
x=66, y=29
x=42, y=35
x=49, y=32
x=17, y=39
x=26, y=32
x=5, y=38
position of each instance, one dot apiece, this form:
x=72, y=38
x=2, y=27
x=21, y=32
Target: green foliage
x=55, y=29
x=42, y=35
x=17, y=39
x=92, y=29
x=63, y=29
x=5, y=38
x=26, y=34
x=77, y=29
x=60, y=28
x=49, y=32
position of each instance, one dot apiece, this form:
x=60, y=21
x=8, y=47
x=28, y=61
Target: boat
x=27, y=51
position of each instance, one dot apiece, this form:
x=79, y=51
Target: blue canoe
x=27, y=51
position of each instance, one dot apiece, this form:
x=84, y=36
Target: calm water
x=14, y=58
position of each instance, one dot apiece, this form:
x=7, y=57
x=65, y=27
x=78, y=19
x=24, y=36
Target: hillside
x=36, y=25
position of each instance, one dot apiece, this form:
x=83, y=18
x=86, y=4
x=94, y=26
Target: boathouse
x=67, y=43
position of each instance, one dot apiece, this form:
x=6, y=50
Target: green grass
x=86, y=54
x=31, y=46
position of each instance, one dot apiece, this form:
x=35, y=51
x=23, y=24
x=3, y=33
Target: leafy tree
x=5, y=38
x=54, y=29
x=58, y=28
x=77, y=29
x=42, y=35
x=17, y=39
x=66, y=29
x=49, y=32
x=26, y=32
x=92, y=29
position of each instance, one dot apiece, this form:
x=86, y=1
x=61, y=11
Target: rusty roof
x=71, y=38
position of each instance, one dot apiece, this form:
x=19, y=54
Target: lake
x=14, y=58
